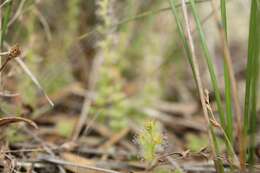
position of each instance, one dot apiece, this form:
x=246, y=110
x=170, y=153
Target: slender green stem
x=224, y=15
x=252, y=74
x=5, y=16
x=4, y=21
x=228, y=96
x=228, y=101
x=137, y=17
x=189, y=48
x=233, y=85
x=232, y=155
x=209, y=63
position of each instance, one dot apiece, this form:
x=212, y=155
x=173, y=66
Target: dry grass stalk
x=235, y=96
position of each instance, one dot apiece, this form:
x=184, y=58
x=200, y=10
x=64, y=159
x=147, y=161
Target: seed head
x=14, y=52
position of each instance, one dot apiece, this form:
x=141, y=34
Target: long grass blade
x=34, y=79
x=209, y=64
x=4, y=21
x=5, y=16
x=224, y=15
x=31, y=75
x=189, y=48
x=252, y=74
x=231, y=85
x=228, y=101
x=228, y=96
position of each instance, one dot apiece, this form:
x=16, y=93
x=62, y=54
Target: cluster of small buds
x=151, y=141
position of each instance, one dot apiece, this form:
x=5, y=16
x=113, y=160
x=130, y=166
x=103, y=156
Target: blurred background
x=116, y=62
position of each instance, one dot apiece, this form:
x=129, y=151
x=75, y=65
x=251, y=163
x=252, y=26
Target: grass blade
x=224, y=15
x=4, y=22
x=230, y=84
x=252, y=74
x=134, y=18
x=209, y=63
x=34, y=79
x=189, y=48
x=5, y=16
x=228, y=101
x=228, y=96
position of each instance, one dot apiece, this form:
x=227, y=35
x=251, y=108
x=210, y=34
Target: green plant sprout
x=150, y=140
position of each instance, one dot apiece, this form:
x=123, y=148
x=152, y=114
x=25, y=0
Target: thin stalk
x=209, y=63
x=252, y=73
x=224, y=16
x=4, y=3
x=4, y=22
x=228, y=101
x=229, y=75
x=233, y=86
x=228, y=96
x=232, y=155
x=5, y=16
x=189, y=47
x=136, y=17
x=4, y=64
x=154, y=12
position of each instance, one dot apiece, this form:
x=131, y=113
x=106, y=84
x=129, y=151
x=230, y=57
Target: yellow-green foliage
x=150, y=139
x=115, y=70
x=110, y=99
x=103, y=14
x=109, y=86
